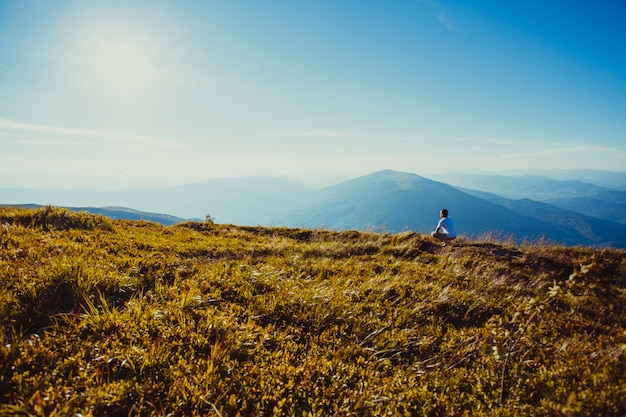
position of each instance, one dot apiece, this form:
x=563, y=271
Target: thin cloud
x=9, y=126
x=445, y=20
x=329, y=134
x=39, y=142
x=566, y=150
x=442, y=15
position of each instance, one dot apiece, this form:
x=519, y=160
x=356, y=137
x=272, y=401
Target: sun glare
x=121, y=64
x=119, y=50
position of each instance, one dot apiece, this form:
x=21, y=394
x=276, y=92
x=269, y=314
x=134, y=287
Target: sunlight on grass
x=104, y=317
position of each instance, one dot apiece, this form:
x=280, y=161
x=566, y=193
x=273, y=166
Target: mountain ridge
x=115, y=213
x=386, y=200
x=395, y=201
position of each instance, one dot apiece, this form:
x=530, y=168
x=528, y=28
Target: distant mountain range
x=563, y=211
x=592, y=199
x=396, y=201
x=538, y=182
x=229, y=200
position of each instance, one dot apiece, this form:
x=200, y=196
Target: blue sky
x=145, y=93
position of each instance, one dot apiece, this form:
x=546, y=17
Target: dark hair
x=444, y=212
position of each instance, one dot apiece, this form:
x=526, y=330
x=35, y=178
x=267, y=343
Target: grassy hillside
x=116, y=213
x=103, y=317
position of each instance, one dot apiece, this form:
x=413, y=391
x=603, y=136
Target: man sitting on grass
x=445, y=231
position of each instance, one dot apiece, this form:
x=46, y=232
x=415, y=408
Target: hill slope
x=527, y=186
x=397, y=201
x=387, y=200
x=607, y=205
x=122, y=213
x=227, y=199
x=591, y=230
x=100, y=317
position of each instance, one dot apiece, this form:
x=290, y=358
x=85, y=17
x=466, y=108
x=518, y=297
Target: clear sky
x=140, y=93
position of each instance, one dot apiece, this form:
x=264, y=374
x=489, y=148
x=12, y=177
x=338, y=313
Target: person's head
x=443, y=213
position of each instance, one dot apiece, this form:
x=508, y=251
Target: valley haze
x=528, y=207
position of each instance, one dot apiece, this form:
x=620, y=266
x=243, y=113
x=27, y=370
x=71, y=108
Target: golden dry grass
x=103, y=317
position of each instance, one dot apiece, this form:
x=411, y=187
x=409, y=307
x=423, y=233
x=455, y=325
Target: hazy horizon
x=614, y=180
x=116, y=94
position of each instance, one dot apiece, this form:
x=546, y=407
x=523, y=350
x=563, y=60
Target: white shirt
x=447, y=226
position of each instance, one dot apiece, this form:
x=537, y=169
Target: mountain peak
x=391, y=174
x=389, y=179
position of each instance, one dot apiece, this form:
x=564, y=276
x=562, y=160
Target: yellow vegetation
x=103, y=317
